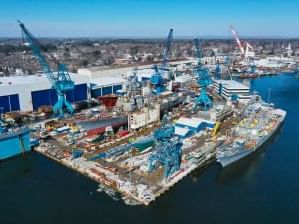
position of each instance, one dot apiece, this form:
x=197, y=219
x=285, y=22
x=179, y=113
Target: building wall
x=49, y=96
x=9, y=103
x=104, y=90
x=26, y=89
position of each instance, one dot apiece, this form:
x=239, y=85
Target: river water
x=261, y=189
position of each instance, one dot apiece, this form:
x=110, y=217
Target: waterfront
x=260, y=189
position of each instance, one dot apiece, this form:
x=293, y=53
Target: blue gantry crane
x=218, y=71
x=203, y=100
x=166, y=50
x=157, y=76
x=197, y=52
x=204, y=80
x=60, y=81
x=167, y=151
x=157, y=81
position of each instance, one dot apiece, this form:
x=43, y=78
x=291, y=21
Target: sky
x=150, y=18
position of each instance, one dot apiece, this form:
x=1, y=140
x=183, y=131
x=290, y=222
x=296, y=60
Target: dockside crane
x=167, y=151
x=157, y=76
x=245, y=52
x=166, y=50
x=197, y=51
x=204, y=80
x=60, y=80
x=235, y=35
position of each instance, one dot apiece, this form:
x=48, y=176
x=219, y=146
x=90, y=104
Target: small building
x=187, y=126
x=229, y=88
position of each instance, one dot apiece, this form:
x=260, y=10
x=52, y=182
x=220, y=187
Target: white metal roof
x=108, y=81
x=180, y=131
x=193, y=122
x=34, y=79
x=231, y=84
x=188, y=122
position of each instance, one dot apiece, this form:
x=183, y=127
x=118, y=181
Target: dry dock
x=138, y=191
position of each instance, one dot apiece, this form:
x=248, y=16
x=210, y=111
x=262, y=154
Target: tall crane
x=197, y=51
x=204, y=80
x=203, y=100
x=166, y=50
x=60, y=81
x=167, y=151
x=218, y=71
x=157, y=76
x=235, y=35
x=248, y=50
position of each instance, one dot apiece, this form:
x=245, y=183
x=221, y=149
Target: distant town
x=16, y=57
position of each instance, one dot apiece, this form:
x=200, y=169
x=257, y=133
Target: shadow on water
x=248, y=164
x=20, y=167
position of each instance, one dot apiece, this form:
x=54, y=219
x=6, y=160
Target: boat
x=108, y=100
x=263, y=122
x=13, y=140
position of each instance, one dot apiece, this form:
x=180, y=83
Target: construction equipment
x=157, y=81
x=216, y=128
x=167, y=151
x=197, y=52
x=235, y=35
x=60, y=81
x=119, y=150
x=247, y=53
x=166, y=50
x=203, y=100
x=204, y=80
x=158, y=75
x=218, y=71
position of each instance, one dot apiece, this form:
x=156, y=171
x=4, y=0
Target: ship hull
x=14, y=144
x=231, y=159
x=228, y=160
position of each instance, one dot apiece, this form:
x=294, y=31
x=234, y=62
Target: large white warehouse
x=26, y=93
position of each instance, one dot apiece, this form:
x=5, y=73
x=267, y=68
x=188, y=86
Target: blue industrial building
x=9, y=103
x=49, y=96
x=27, y=93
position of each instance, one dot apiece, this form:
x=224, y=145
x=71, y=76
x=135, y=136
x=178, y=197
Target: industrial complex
x=139, y=130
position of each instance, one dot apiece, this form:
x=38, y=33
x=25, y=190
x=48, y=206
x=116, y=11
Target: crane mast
x=197, y=51
x=157, y=76
x=204, y=80
x=237, y=39
x=60, y=81
x=167, y=47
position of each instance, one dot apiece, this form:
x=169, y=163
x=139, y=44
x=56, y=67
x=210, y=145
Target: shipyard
x=138, y=131
x=135, y=111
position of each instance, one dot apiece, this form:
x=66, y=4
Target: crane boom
x=33, y=42
x=237, y=39
x=167, y=47
x=197, y=51
x=60, y=81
